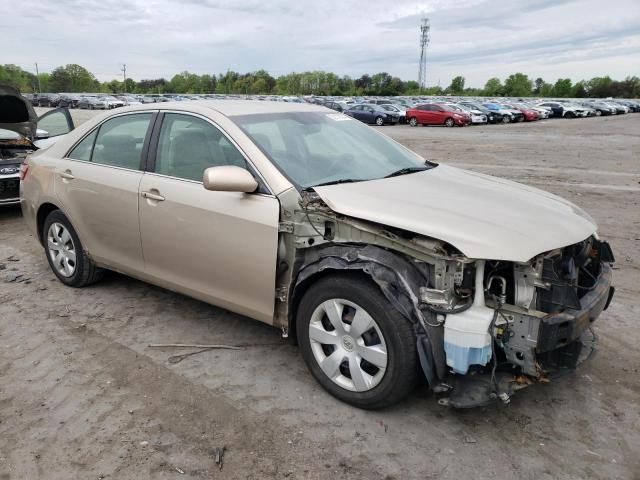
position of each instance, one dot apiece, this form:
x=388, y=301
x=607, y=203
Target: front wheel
x=356, y=345
x=506, y=119
x=379, y=121
x=449, y=122
x=413, y=121
x=65, y=253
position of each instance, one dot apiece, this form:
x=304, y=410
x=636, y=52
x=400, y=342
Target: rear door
x=220, y=247
x=97, y=185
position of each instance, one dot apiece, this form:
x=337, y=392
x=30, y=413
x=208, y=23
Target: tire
x=371, y=387
x=379, y=121
x=413, y=121
x=570, y=115
x=449, y=122
x=598, y=113
x=506, y=119
x=75, y=268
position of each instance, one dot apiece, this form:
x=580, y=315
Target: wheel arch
x=43, y=212
x=398, y=279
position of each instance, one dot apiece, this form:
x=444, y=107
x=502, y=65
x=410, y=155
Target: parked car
x=600, y=108
x=21, y=133
x=112, y=102
x=565, y=110
x=477, y=117
x=395, y=108
x=528, y=114
x=437, y=114
x=338, y=107
x=129, y=100
x=92, y=103
x=512, y=115
x=492, y=115
x=382, y=265
x=371, y=113
x=48, y=100
x=69, y=101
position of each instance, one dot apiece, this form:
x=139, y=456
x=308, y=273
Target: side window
x=188, y=145
x=82, y=151
x=120, y=140
x=55, y=123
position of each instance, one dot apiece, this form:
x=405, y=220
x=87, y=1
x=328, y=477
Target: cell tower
x=424, y=42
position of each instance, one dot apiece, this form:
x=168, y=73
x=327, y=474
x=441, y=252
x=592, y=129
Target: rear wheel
x=65, y=253
x=449, y=122
x=356, y=345
x=413, y=121
x=506, y=119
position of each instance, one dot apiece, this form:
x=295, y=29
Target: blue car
x=371, y=113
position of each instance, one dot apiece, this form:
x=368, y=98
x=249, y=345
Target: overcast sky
x=478, y=39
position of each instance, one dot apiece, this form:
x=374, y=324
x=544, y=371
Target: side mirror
x=41, y=134
x=229, y=178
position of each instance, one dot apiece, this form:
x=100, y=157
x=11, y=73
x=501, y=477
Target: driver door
x=219, y=247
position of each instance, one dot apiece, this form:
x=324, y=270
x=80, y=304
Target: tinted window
x=188, y=145
x=83, y=149
x=120, y=141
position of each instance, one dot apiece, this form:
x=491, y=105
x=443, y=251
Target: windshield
x=313, y=148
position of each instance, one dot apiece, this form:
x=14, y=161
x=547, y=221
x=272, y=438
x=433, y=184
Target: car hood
x=16, y=113
x=482, y=216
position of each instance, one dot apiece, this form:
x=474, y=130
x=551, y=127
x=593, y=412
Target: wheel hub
x=348, y=343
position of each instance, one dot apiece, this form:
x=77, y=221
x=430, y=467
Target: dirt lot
x=83, y=396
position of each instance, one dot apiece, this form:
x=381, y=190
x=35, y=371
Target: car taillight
x=24, y=169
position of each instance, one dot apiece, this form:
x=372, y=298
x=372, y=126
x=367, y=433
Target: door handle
x=152, y=196
x=67, y=175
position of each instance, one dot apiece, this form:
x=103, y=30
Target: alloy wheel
x=61, y=249
x=348, y=345
x=379, y=121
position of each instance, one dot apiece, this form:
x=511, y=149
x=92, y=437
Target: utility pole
x=38, y=77
x=124, y=77
x=425, y=37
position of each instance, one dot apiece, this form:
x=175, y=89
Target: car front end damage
x=484, y=328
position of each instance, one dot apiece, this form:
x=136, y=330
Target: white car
x=477, y=117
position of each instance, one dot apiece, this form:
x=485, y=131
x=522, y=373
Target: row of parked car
x=467, y=112
x=384, y=110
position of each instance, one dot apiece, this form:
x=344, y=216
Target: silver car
x=380, y=264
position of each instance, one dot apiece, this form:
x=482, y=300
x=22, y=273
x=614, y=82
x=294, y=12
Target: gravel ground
x=83, y=396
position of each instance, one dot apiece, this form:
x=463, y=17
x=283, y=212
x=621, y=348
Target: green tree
x=518, y=85
x=563, y=88
x=493, y=88
x=72, y=78
x=457, y=85
x=537, y=85
x=580, y=90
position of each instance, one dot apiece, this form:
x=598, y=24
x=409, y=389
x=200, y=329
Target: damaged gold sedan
x=385, y=267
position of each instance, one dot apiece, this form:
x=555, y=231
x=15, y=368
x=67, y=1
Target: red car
x=529, y=115
x=436, y=114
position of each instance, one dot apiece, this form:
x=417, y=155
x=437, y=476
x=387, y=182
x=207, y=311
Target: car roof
x=233, y=107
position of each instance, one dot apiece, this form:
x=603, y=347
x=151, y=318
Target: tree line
x=75, y=78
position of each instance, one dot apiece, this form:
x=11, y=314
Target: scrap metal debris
x=203, y=348
x=218, y=454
